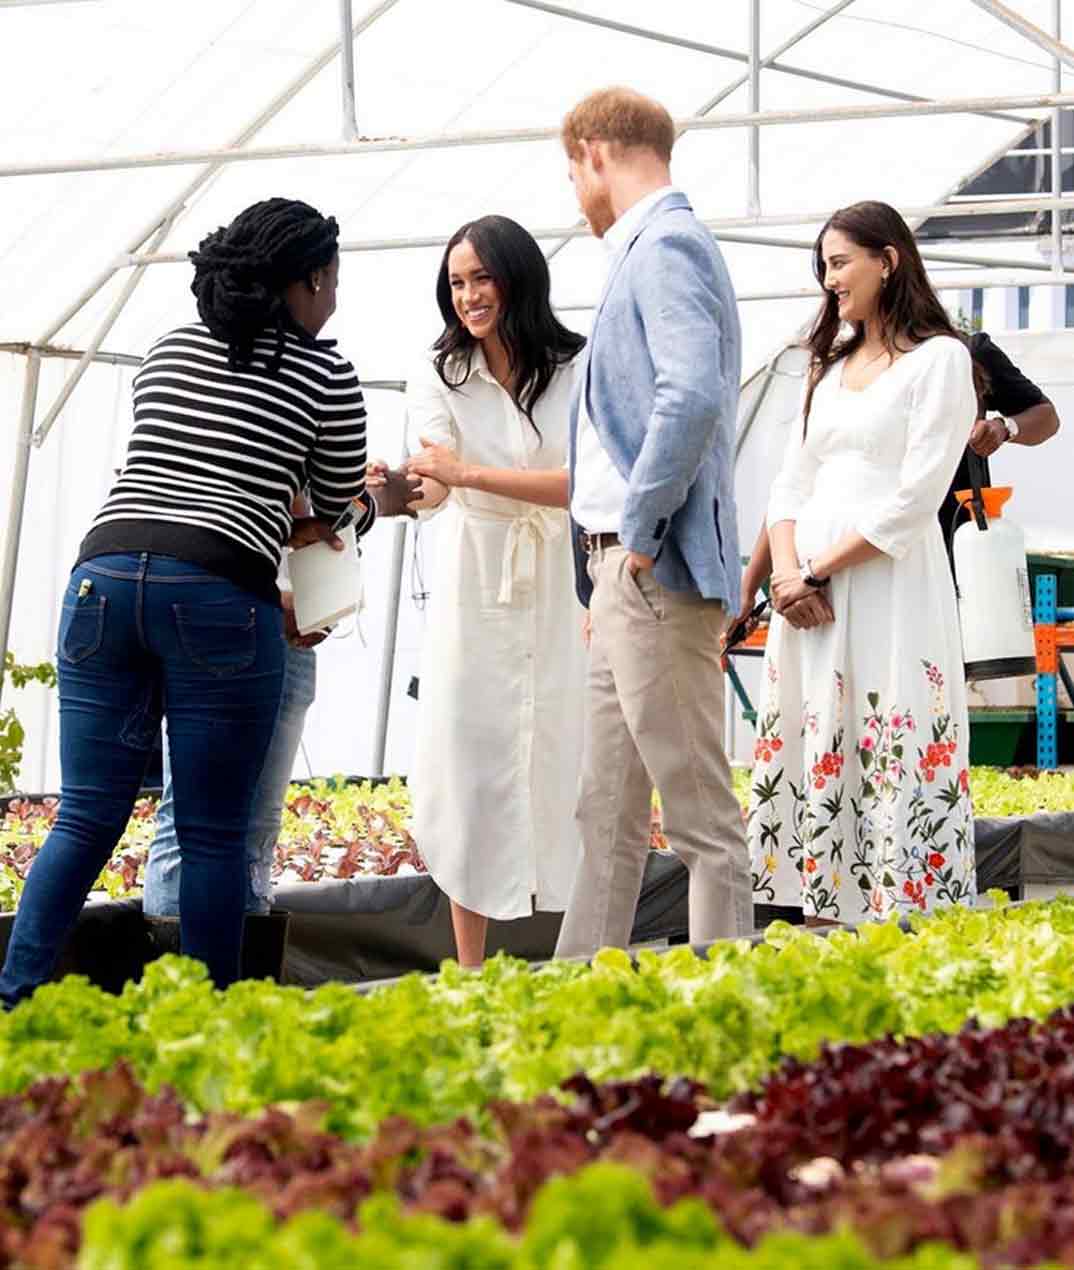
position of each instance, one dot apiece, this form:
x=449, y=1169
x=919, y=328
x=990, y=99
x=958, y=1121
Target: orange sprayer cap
x=993, y=497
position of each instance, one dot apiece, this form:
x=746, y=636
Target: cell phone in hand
x=346, y=517
x=741, y=629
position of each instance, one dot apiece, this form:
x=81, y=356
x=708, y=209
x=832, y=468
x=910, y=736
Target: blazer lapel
x=676, y=199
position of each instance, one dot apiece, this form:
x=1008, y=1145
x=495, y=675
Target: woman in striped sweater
x=172, y=606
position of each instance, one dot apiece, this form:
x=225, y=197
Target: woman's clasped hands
x=800, y=604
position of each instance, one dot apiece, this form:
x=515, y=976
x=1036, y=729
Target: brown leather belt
x=590, y=542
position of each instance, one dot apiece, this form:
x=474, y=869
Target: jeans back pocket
x=81, y=628
x=218, y=636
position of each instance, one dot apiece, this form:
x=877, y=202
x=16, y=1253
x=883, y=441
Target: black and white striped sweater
x=216, y=456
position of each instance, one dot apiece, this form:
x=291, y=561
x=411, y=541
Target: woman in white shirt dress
x=498, y=743
x=860, y=805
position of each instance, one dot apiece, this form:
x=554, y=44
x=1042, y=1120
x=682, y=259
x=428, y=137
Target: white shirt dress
x=499, y=736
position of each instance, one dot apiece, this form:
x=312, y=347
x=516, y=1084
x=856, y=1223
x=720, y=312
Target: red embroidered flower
x=964, y=781
x=936, y=860
x=777, y=744
x=929, y=879
x=866, y=742
x=908, y=888
x=811, y=866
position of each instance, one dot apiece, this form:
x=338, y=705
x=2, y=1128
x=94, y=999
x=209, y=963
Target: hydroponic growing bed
x=335, y=831
x=884, y=1097
x=349, y=875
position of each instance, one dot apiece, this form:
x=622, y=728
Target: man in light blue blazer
x=654, y=525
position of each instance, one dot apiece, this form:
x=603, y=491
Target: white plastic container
x=326, y=583
x=994, y=602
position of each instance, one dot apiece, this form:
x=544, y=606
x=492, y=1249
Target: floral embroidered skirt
x=860, y=804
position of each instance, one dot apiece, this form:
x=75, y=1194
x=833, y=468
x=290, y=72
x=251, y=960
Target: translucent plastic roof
x=120, y=77
x=99, y=79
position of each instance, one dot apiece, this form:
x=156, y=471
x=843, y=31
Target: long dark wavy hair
x=241, y=270
x=534, y=338
x=910, y=310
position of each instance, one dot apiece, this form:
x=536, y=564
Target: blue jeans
x=162, y=872
x=141, y=635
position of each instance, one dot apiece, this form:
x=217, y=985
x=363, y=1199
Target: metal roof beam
x=725, y=92
x=715, y=50
x=514, y=136
x=724, y=227
x=178, y=204
x=1029, y=30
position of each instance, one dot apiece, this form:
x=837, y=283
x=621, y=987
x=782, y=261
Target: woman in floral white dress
x=860, y=804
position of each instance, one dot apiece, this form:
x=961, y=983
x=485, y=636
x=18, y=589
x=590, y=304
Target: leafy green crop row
x=334, y=830
x=435, y=1048
x=604, y=1218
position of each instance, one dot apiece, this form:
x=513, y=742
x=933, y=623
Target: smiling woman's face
x=853, y=274
x=474, y=293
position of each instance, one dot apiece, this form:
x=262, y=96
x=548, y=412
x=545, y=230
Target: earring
x=883, y=281
x=317, y=286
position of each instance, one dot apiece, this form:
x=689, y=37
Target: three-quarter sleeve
x=428, y=415
x=793, y=487
x=336, y=465
x=942, y=409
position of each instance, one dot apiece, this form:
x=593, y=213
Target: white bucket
x=326, y=583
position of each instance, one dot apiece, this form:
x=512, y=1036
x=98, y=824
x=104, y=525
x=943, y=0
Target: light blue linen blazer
x=661, y=376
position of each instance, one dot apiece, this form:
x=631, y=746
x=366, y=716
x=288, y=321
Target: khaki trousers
x=654, y=717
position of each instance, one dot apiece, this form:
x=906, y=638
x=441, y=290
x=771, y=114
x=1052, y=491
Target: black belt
x=590, y=542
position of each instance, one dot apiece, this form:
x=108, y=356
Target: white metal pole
x=391, y=636
x=1057, y=152
x=725, y=226
x=713, y=102
x=17, y=503
x=72, y=354
x=95, y=343
x=517, y=136
x=1005, y=14
x=753, y=193
x=346, y=69
x=715, y=50
x=246, y=134
x=940, y=283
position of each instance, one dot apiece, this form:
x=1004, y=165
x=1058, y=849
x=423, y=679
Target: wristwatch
x=1012, y=427
x=805, y=572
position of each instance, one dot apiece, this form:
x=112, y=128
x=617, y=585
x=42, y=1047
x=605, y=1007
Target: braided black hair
x=241, y=270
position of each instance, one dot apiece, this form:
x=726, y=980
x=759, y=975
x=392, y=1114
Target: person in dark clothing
x=1023, y=415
